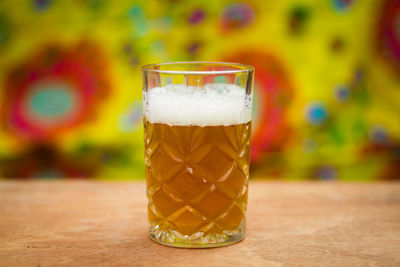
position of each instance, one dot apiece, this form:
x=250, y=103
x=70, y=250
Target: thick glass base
x=173, y=238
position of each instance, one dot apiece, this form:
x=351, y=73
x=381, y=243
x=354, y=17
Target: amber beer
x=197, y=180
x=197, y=122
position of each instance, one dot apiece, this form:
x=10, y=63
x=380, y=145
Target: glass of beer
x=197, y=122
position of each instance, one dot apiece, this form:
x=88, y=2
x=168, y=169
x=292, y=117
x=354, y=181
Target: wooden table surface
x=83, y=223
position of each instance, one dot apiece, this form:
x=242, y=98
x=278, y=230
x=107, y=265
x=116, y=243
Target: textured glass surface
x=197, y=183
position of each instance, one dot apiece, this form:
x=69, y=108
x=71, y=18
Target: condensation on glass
x=197, y=123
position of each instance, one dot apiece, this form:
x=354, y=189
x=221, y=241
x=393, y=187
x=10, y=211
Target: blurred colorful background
x=327, y=87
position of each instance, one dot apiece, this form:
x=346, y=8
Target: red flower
x=54, y=91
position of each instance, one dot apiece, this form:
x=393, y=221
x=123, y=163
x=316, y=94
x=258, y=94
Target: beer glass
x=197, y=122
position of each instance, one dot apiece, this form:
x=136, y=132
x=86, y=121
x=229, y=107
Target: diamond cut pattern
x=188, y=185
x=232, y=184
x=212, y=202
x=231, y=218
x=166, y=201
x=211, y=163
x=196, y=177
x=188, y=221
x=164, y=164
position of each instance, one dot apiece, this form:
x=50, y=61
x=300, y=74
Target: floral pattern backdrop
x=327, y=85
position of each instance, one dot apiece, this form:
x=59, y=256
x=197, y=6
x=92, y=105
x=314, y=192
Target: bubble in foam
x=209, y=105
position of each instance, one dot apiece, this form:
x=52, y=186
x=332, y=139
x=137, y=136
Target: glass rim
x=240, y=67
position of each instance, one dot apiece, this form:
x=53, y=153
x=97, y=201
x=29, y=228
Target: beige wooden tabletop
x=82, y=223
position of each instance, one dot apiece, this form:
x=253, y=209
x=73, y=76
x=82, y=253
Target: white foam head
x=209, y=105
